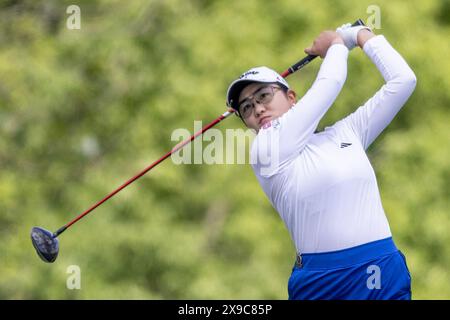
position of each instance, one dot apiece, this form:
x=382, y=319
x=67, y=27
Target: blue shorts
x=375, y=270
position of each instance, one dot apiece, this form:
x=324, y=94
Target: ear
x=292, y=96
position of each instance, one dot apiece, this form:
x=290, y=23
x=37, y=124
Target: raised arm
x=282, y=142
x=369, y=120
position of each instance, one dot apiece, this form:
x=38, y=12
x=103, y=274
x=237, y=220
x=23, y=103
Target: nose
x=259, y=108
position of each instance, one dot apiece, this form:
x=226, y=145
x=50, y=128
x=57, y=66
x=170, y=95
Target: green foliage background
x=81, y=111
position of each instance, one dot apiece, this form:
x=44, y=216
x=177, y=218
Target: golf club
x=46, y=243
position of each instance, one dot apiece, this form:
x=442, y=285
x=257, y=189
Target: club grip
x=358, y=22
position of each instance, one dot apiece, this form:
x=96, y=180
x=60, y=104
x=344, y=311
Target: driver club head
x=45, y=244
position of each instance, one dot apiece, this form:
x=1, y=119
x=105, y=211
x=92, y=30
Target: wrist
x=363, y=36
x=337, y=40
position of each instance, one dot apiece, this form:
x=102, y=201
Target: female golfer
x=322, y=183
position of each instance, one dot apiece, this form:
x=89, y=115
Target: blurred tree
x=82, y=110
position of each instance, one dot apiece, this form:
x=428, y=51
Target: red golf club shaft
x=286, y=73
x=147, y=169
x=168, y=154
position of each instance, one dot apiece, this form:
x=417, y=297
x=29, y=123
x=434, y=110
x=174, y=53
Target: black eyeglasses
x=263, y=95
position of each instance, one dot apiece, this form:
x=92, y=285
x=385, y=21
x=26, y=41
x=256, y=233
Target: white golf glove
x=350, y=34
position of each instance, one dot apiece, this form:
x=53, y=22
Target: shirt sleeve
x=286, y=136
x=369, y=120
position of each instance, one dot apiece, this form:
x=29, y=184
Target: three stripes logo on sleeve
x=345, y=144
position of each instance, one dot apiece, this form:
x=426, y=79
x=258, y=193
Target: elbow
x=414, y=80
x=411, y=80
x=406, y=82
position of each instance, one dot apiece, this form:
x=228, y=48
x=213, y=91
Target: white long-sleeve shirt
x=322, y=184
